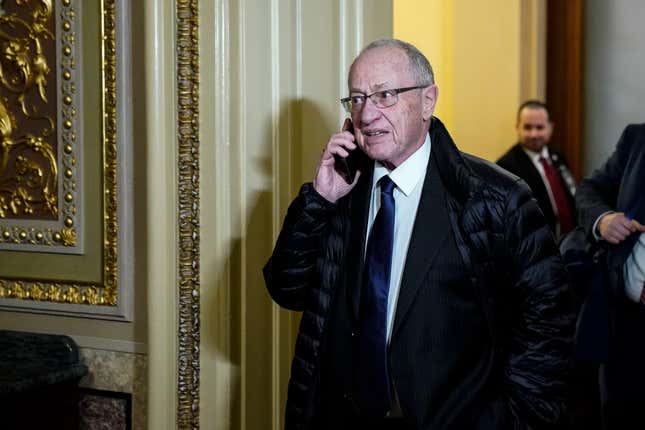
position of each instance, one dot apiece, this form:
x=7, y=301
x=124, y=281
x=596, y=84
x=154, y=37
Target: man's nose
x=369, y=112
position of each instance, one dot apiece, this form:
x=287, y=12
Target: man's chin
x=376, y=150
x=383, y=159
x=535, y=147
x=376, y=155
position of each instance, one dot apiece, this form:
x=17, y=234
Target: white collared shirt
x=535, y=158
x=408, y=177
x=634, y=270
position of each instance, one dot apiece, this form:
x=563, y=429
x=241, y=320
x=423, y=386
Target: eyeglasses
x=381, y=99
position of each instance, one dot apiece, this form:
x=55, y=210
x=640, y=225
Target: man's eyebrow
x=376, y=87
x=379, y=87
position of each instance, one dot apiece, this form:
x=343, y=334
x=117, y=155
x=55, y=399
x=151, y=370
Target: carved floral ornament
x=41, y=192
x=30, y=161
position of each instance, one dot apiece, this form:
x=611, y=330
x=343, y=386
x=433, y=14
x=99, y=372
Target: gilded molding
x=77, y=292
x=52, y=291
x=68, y=122
x=35, y=212
x=187, y=48
x=110, y=224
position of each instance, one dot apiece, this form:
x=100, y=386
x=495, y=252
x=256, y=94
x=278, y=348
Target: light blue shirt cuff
x=634, y=270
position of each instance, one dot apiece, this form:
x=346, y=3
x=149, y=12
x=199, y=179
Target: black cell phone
x=347, y=166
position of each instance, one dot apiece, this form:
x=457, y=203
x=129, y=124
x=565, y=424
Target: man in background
x=544, y=170
x=611, y=208
x=547, y=174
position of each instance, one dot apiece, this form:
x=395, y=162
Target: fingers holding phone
x=346, y=162
x=338, y=170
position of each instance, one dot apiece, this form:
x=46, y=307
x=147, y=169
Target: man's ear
x=550, y=131
x=430, y=95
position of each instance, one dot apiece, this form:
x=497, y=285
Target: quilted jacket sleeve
x=541, y=314
x=291, y=271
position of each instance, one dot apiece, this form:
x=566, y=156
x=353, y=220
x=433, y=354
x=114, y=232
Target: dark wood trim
x=564, y=77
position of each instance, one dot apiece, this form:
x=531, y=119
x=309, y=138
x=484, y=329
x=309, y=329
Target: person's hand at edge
x=616, y=227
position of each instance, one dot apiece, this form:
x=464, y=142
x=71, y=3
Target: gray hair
x=419, y=64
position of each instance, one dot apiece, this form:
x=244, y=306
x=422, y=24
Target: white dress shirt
x=634, y=270
x=408, y=177
x=535, y=159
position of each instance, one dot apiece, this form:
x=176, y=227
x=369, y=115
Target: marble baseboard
x=118, y=372
x=105, y=410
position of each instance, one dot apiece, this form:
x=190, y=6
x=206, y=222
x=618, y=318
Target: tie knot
x=387, y=185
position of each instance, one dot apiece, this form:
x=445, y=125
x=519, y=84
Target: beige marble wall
x=119, y=371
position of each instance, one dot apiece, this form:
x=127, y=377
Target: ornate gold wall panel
x=60, y=236
x=39, y=197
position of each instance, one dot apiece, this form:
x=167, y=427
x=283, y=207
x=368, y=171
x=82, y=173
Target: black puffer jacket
x=501, y=235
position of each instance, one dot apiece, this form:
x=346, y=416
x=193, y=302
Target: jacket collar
x=455, y=174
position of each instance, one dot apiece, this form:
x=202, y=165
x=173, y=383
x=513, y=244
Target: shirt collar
x=408, y=174
x=535, y=156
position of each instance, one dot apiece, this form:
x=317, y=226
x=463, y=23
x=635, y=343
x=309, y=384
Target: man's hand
x=328, y=182
x=616, y=227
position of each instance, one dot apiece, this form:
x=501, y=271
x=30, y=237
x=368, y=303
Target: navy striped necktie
x=373, y=389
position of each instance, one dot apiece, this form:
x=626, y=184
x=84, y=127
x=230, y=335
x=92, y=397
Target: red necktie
x=562, y=204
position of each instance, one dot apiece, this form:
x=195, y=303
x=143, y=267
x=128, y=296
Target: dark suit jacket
x=518, y=163
x=619, y=186
x=436, y=294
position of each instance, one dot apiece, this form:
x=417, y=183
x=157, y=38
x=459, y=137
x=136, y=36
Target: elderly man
x=544, y=170
x=432, y=291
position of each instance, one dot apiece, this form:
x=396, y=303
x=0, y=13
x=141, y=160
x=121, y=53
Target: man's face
x=390, y=134
x=534, y=128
